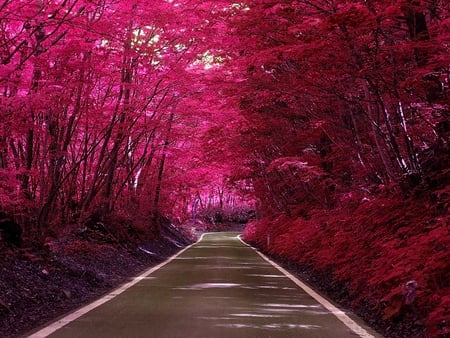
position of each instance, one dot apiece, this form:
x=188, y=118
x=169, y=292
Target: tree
x=341, y=82
x=88, y=111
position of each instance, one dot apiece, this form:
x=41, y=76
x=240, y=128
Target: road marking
x=350, y=323
x=46, y=331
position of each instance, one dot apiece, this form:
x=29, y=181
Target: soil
x=40, y=283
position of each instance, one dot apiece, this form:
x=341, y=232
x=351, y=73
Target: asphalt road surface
x=218, y=287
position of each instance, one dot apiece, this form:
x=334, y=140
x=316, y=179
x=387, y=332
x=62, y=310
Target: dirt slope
x=38, y=284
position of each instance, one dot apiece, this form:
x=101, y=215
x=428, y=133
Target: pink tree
x=92, y=101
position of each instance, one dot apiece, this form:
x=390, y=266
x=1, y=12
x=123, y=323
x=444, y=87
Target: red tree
x=347, y=103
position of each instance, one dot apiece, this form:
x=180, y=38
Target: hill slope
x=386, y=257
x=38, y=284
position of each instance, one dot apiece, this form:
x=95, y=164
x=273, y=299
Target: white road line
x=350, y=323
x=46, y=331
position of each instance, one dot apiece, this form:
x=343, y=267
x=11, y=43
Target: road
x=218, y=287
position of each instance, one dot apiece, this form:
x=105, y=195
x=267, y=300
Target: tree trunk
x=156, y=200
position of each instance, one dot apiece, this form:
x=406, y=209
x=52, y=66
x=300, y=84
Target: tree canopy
x=149, y=109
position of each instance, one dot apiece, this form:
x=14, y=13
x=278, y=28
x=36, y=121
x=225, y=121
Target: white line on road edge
x=350, y=323
x=46, y=331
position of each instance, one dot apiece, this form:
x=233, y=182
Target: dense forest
x=325, y=122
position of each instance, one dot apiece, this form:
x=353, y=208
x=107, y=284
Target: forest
x=324, y=124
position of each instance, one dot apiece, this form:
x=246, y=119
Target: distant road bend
x=218, y=287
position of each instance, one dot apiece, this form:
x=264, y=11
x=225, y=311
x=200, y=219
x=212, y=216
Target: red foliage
x=323, y=110
x=103, y=106
x=348, y=104
x=382, y=245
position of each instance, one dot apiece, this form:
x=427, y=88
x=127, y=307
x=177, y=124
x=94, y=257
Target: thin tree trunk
x=381, y=152
x=160, y=175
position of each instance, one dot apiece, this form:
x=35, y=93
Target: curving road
x=218, y=287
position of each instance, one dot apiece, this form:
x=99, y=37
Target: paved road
x=218, y=287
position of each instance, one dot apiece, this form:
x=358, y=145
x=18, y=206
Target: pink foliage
x=382, y=245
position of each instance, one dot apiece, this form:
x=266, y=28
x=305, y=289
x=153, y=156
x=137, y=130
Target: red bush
x=380, y=247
